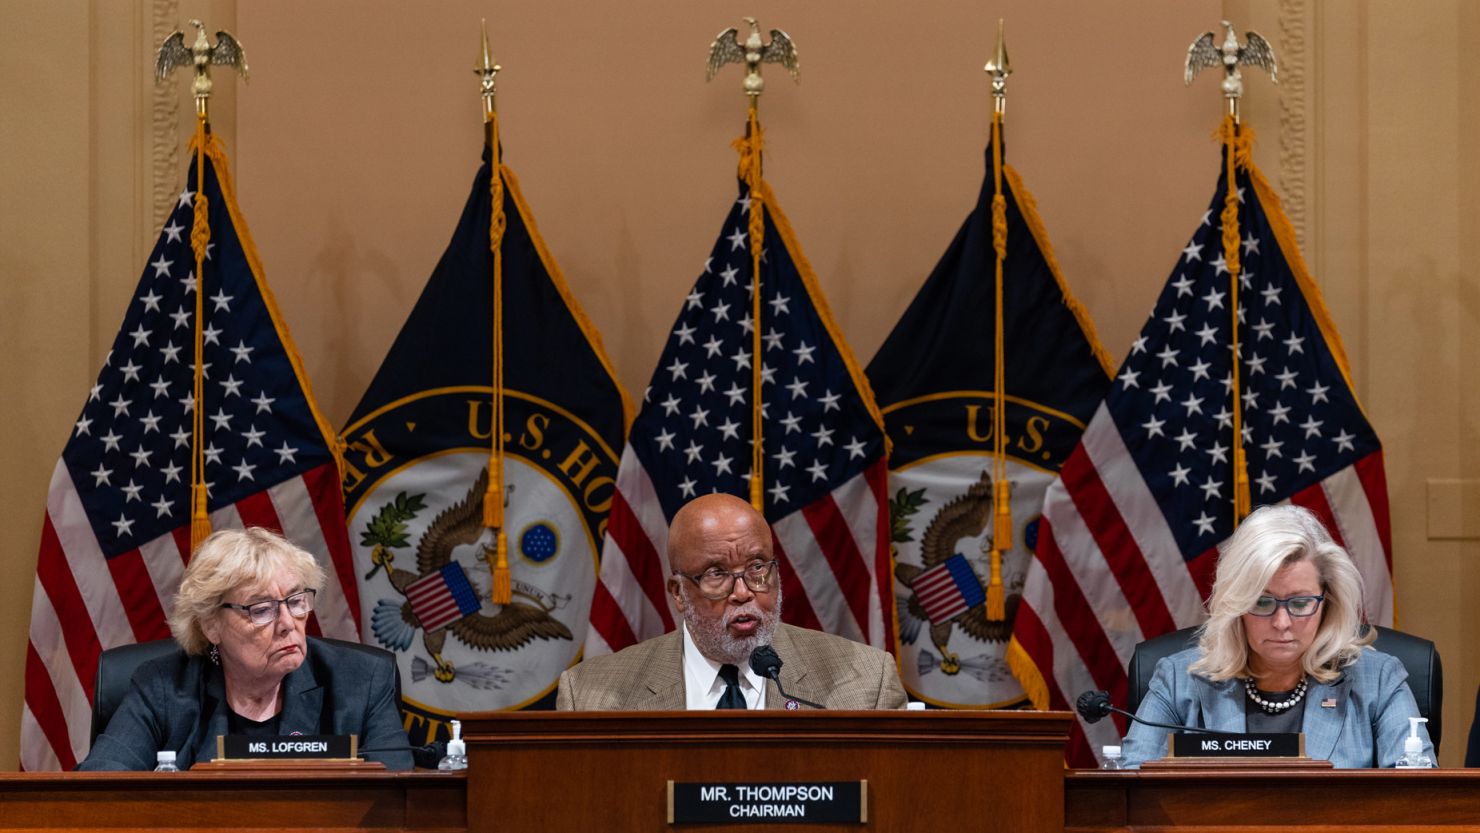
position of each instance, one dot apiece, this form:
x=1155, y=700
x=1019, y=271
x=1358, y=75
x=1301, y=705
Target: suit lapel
x=1323, y=725
x=1222, y=705
x=214, y=714
x=662, y=676
x=303, y=702
x=794, y=672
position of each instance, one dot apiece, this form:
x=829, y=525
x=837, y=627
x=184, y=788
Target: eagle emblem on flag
x=450, y=596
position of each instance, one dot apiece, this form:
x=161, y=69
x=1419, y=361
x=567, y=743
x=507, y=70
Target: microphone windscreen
x=1093, y=705
x=765, y=662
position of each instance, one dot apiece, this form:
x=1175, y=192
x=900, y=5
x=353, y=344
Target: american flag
x=824, y=473
x=116, y=535
x=1128, y=543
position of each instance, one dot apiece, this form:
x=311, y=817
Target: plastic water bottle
x=1413, y=754
x=1110, y=758
x=457, y=751
x=164, y=761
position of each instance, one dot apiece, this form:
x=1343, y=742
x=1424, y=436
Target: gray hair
x=225, y=561
x=1270, y=538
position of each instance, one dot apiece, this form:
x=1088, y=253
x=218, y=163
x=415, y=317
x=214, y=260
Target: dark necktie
x=732, y=698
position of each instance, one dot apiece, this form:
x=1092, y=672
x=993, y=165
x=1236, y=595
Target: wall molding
x=164, y=119
x=1294, y=58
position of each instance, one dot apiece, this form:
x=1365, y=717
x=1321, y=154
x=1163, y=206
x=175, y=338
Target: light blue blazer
x=1357, y=721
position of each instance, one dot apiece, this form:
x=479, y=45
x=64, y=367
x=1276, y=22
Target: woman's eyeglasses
x=1297, y=606
x=299, y=605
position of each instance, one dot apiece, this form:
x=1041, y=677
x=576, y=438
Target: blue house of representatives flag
x=417, y=469
x=935, y=382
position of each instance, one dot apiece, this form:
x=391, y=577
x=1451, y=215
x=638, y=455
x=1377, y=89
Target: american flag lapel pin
x=1328, y=703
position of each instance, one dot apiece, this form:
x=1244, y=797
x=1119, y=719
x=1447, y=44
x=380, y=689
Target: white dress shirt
x=703, y=685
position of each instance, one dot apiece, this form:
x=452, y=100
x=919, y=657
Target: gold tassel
x=503, y=592
x=200, y=521
x=1002, y=499
x=996, y=593
x=1001, y=542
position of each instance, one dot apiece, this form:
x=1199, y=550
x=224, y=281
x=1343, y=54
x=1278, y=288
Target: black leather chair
x=1472, y=752
x=116, y=668
x=1418, y=655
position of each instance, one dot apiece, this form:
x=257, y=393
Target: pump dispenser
x=457, y=750
x=1413, y=754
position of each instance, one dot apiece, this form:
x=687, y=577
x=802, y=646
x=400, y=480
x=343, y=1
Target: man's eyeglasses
x=299, y=605
x=715, y=583
x=1297, y=606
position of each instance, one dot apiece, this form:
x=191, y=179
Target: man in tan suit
x=725, y=583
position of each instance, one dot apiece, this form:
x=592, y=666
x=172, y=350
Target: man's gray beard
x=712, y=637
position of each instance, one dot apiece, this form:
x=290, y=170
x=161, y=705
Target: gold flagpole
x=725, y=49
x=1206, y=52
x=493, y=497
x=173, y=53
x=999, y=69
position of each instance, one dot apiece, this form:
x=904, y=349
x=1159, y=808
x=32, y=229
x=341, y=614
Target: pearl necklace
x=1272, y=707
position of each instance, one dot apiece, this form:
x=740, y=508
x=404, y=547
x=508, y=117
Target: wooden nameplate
x=289, y=765
x=1184, y=764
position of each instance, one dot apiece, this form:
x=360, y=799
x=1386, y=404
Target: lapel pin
x=1328, y=703
x=791, y=705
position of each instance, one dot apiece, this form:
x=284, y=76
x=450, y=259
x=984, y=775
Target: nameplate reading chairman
x=245, y=667
x=725, y=582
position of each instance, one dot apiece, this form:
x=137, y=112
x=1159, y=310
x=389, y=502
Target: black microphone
x=1093, y=705
x=765, y=662
x=424, y=757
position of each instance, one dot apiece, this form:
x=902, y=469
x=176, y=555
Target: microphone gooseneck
x=765, y=662
x=1093, y=705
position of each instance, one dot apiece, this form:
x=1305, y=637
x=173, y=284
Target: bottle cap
x=164, y=756
x=1111, y=751
x=457, y=747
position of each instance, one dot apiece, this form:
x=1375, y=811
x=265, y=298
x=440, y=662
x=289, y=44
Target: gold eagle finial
x=727, y=49
x=173, y=53
x=1206, y=52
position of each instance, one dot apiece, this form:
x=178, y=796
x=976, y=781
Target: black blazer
x=179, y=702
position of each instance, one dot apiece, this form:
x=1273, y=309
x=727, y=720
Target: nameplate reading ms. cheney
x=257, y=747
x=1269, y=745
x=816, y=802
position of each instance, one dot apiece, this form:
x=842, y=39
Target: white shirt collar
x=702, y=684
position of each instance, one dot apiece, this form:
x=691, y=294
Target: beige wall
x=357, y=138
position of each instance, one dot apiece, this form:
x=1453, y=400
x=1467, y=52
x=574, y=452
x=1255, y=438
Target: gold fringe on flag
x=200, y=238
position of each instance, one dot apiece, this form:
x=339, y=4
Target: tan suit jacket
x=836, y=672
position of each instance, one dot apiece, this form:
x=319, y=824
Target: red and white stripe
x=1107, y=573
x=84, y=604
x=834, y=558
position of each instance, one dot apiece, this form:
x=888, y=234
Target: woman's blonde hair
x=1270, y=538
x=225, y=561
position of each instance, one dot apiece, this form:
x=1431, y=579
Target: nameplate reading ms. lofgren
x=729, y=802
x=257, y=747
x=1268, y=745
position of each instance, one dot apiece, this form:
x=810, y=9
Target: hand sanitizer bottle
x=1413, y=754
x=457, y=751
